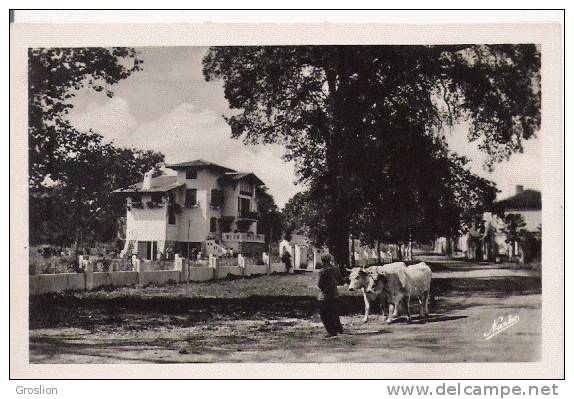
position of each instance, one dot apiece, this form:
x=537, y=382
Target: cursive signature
x=500, y=324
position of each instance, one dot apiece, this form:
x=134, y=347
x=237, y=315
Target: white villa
x=205, y=206
x=526, y=203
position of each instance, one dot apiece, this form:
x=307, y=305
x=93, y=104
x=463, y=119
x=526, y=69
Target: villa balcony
x=243, y=237
x=247, y=215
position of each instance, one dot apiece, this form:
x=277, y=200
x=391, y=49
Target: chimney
x=519, y=189
x=147, y=180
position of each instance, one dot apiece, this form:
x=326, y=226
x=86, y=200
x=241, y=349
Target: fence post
x=266, y=261
x=315, y=256
x=88, y=272
x=296, y=258
x=241, y=264
x=216, y=271
x=178, y=265
x=213, y=264
x=82, y=262
x=138, y=267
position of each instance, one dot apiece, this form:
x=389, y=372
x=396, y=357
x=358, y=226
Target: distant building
x=490, y=243
x=205, y=206
x=526, y=203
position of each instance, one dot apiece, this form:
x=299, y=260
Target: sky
x=169, y=107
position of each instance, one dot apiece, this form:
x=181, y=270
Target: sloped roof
x=160, y=184
x=243, y=175
x=167, y=183
x=528, y=199
x=199, y=164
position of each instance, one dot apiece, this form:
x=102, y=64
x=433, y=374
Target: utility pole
x=270, y=240
x=352, y=250
x=410, y=247
x=188, y=258
x=269, y=248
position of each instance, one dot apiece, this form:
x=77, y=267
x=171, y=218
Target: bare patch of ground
x=275, y=319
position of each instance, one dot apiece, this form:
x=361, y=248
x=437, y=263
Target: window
x=190, y=197
x=213, y=225
x=245, y=188
x=136, y=201
x=216, y=198
x=171, y=216
x=243, y=206
x=147, y=249
x=191, y=174
x=156, y=197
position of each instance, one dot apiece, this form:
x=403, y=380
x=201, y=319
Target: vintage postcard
x=318, y=201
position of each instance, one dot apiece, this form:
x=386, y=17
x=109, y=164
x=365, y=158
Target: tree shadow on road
x=137, y=312
x=432, y=318
x=48, y=348
x=502, y=286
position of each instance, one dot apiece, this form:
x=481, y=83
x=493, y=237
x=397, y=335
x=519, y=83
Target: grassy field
x=275, y=319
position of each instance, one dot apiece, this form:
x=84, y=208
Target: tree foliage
x=270, y=222
x=358, y=120
x=305, y=215
x=80, y=206
x=73, y=173
x=436, y=196
x=515, y=231
x=513, y=224
x=54, y=77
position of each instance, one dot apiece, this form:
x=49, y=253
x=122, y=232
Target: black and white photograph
x=290, y=203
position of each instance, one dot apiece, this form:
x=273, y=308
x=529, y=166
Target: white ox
x=373, y=287
x=392, y=284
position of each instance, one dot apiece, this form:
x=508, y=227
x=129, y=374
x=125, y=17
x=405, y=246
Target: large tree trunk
x=338, y=219
x=352, y=253
x=449, y=246
x=338, y=216
x=338, y=242
x=399, y=247
x=78, y=228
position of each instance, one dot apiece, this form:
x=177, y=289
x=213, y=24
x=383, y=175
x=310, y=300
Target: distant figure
x=286, y=259
x=329, y=297
x=169, y=253
x=193, y=254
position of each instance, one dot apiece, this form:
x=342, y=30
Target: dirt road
x=275, y=319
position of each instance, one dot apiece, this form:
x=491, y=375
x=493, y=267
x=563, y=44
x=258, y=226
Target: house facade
x=491, y=242
x=204, y=206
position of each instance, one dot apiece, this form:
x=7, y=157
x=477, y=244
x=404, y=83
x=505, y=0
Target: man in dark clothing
x=286, y=259
x=329, y=297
